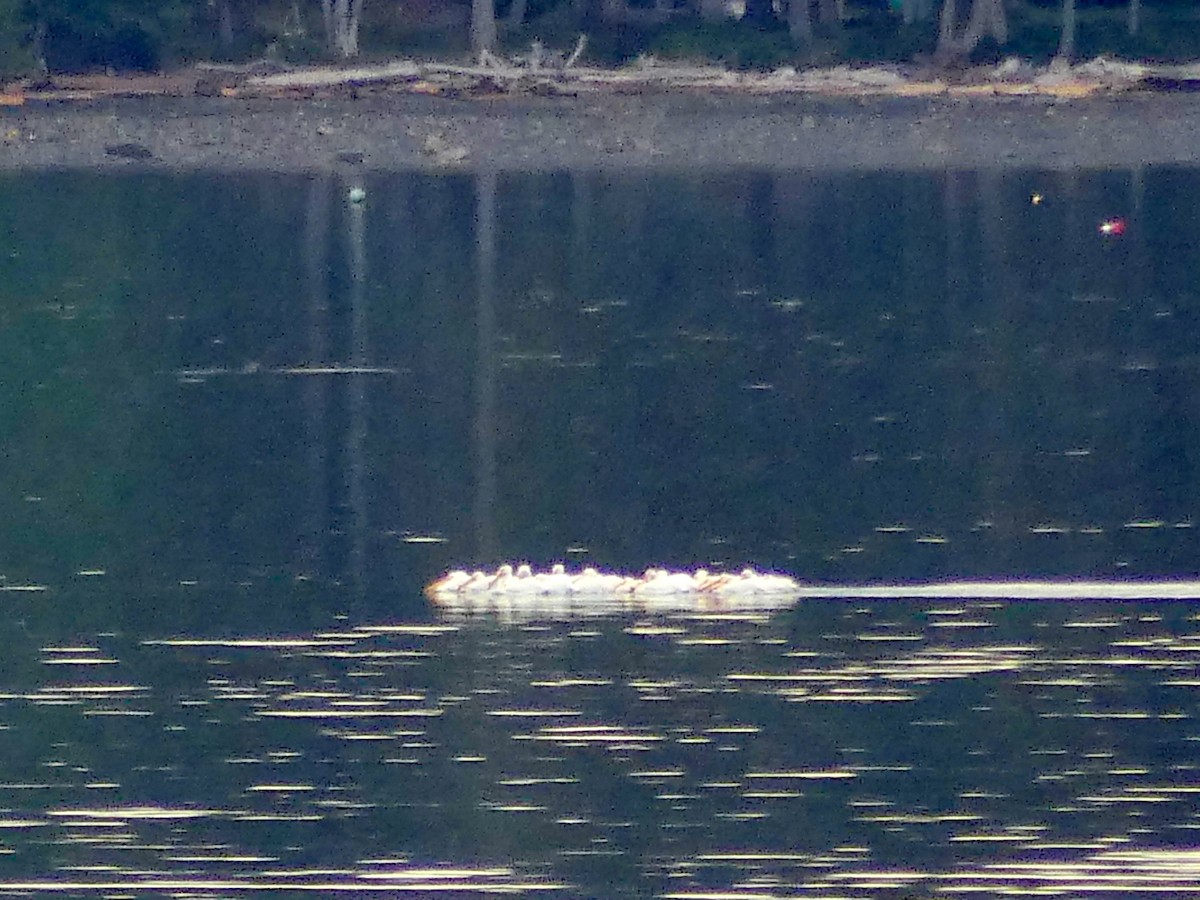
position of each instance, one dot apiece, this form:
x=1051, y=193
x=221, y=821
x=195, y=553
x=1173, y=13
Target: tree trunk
x=1135, y=17
x=37, y=46
x=1066, y=45
x=914, y=11
x=483, y=27
x=516, y=14
x=947, y=29
x=829, y=12
x=987, y=20
x=614, y=10
x=341, y=25
x=327, y=20
x=225, y=25
x=353, y=17
x=800, y=22
x=759, y=13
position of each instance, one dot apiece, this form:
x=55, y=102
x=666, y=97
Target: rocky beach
x=664, y=126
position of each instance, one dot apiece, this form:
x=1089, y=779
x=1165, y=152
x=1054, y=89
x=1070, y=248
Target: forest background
x=48, y=36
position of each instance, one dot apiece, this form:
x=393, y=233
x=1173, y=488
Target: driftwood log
x=556, y=73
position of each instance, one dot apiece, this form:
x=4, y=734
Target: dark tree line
x=146, y=34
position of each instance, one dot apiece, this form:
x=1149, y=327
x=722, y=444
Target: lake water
x=247, y=420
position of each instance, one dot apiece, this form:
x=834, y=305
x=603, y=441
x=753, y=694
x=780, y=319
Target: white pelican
x=523, y=582
x=515, y=587
x=507, y=586
x=504, y=577
x=749, y=583
x=661, y=583
x=556, y=582
x=758, y=583
x=450, y=583
x=480, y=583
x=729, y=584
x=590, y=581
x=776, y=584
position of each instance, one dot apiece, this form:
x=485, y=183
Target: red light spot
x=1113, y=227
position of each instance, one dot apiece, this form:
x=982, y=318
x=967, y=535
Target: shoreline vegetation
x=500, y=107
x=40, y=38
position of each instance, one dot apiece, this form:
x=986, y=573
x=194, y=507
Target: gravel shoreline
x=663, y=131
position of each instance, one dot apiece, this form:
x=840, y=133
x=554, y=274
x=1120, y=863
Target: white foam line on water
x=1009, y=590
x=200, y=884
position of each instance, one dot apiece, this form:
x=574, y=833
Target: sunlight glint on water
x=247, y=427
x=668, y=743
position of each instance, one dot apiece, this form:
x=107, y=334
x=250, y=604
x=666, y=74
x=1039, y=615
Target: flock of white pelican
x=507, y=583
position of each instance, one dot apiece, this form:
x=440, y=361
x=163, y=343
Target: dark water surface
x=246, y=421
